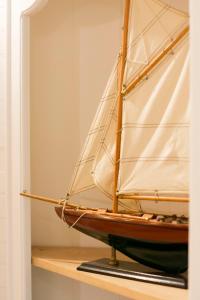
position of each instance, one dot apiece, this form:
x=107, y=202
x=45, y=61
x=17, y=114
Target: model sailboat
x=136, y=151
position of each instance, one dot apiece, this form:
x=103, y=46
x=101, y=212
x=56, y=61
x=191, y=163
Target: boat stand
x=133, y=271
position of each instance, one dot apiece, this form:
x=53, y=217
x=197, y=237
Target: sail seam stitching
x=162, y=45
x=150, y=25
x=88, y=159
x=140, y=125
x=105, y=148
x=125, y=160
x=146, y=29
x=87, y=139
x=84, y=189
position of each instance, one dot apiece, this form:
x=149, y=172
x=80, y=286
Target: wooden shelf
x=64, y=261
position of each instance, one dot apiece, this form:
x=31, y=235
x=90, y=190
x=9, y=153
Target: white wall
x=195, y=152
x=3, y=165
x=54, y=91
x=69, y=43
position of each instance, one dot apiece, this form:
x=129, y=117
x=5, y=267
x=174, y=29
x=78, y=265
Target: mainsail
x=155, y=122
x=154, y=152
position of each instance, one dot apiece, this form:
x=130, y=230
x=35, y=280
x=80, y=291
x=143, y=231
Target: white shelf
x=64, y=261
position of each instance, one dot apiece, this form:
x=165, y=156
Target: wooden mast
x=121, y=68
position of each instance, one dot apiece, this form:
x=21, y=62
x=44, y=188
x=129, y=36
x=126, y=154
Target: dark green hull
x=171, y=258
x=140, y=242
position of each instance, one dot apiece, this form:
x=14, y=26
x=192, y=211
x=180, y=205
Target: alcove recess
x=73, y=46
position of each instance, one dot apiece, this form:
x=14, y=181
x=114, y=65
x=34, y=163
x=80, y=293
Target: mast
x=121, y=68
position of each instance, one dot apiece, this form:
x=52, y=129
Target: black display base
x=135, y=271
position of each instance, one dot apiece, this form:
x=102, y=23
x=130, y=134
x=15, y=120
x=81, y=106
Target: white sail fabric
x=83, y=174
x=154, y=152
x=152, y=25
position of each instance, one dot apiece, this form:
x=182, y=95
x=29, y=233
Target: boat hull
x=159, y=246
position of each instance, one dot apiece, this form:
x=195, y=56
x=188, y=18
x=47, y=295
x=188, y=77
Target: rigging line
x=129, y=208
x=124, y=205
x=152, y=125
x=139, y=205
x=159, y=48
x=108, y=120
x=63, y=202
x=157, y=17
x=100, y=186
x=142, y=37
x=108, y=97
x=85, y=188
x=110, y=117
x=84, y=162
x=146, y=28
x=163, y=160
x=172, y=8
x=175, y=31
x=155, y=61
x=166, y=8
x=96, y=130
x=105, y=148
x=79, y=218
x=75, y=173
